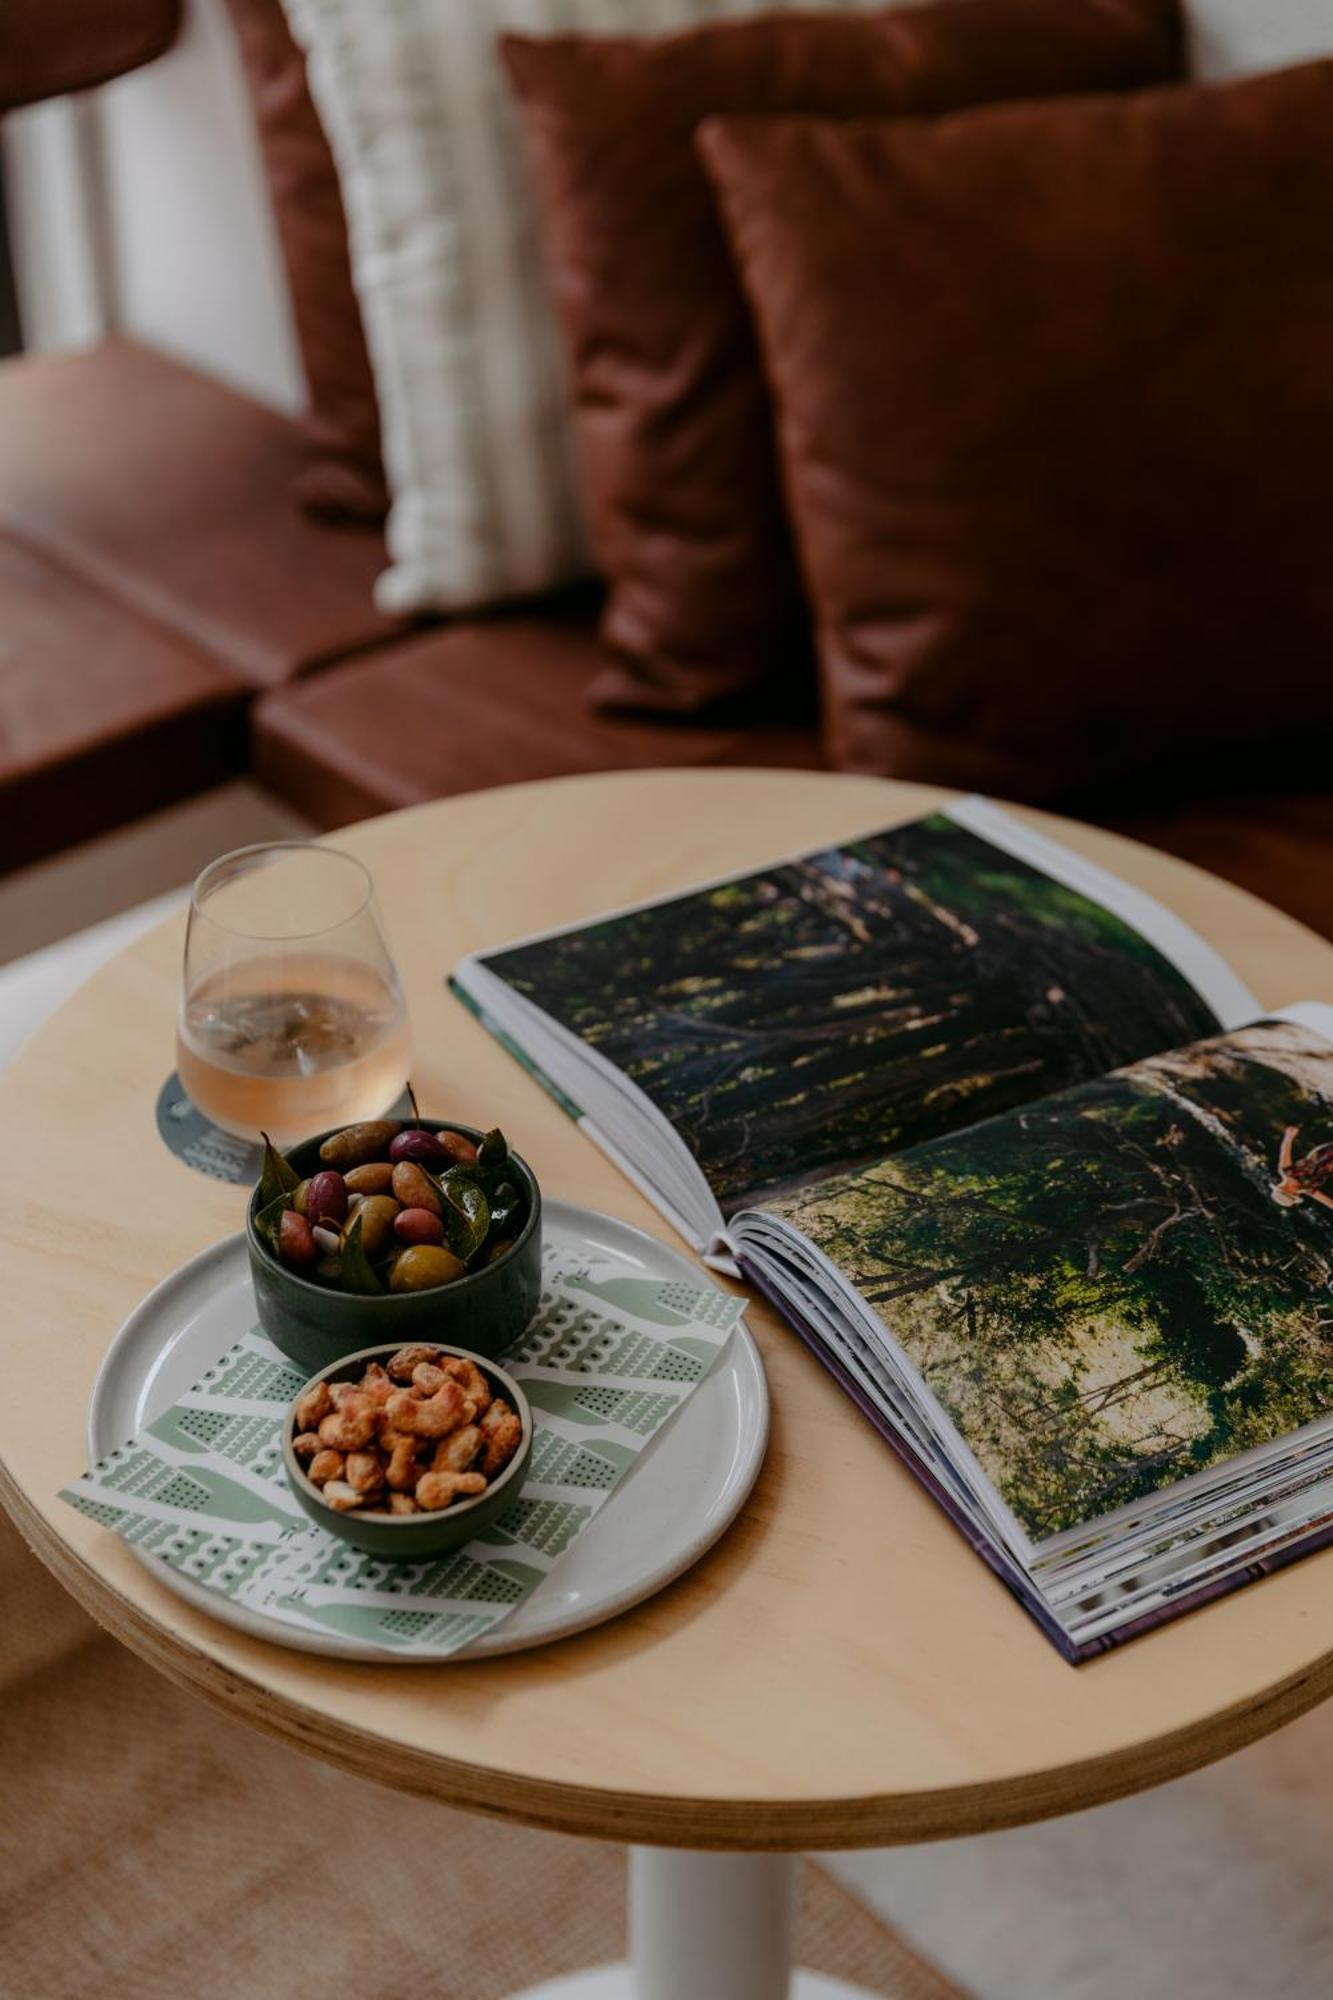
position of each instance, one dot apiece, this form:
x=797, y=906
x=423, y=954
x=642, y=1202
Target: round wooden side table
x=766, y=1703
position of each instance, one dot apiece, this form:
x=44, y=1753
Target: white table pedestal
x=705, y=1927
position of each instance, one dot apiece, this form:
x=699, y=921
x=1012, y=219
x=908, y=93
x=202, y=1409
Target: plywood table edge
x=756, y=1825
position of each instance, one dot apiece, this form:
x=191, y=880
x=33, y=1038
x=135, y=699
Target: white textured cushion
x=445, y=256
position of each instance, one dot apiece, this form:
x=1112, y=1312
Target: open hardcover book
x=1013, y=1151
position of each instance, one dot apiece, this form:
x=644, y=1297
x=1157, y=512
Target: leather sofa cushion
x=472, y=706
x=102, y=717
x=1054, y=395
x=50, y=47
x=672, y=416
x=344, y=478
x=173, y=494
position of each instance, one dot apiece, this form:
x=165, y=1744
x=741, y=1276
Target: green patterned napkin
x=609, y=1358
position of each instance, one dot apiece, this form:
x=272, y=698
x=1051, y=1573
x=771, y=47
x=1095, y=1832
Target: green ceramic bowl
x=413, y=1537
x=484, y=1312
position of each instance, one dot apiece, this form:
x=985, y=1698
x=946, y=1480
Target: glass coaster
x=206, y=1147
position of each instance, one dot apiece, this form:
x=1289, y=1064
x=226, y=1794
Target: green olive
x=356, y=1145
x=423, y=1267
x=376, y=1177
x=377, y=1212
x=299, y=1193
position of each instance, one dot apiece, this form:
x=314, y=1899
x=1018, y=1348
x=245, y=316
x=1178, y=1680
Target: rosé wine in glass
x=291, y=1014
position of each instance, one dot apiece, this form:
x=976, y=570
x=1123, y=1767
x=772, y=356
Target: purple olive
x=418, y=1225
x=326, y=1197
x=415, y=1144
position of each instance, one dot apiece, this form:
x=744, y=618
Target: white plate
x=685, y=1489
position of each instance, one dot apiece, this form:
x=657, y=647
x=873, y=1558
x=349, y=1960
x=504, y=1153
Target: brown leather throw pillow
x=673, y=419
x=344, y=479
x=1056, y=415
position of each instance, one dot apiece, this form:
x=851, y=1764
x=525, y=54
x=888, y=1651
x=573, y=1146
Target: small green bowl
x=315, y=1325
x=413, y=1537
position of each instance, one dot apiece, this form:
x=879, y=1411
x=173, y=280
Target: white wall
x=144, y=207
x=1232, y=36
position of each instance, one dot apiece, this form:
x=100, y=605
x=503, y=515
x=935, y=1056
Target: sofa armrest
x=50, y=47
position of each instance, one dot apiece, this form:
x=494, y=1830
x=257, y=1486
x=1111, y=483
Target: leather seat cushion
x=174, y=494
x=1278, y=846
x=102, y=716
x=474, y=706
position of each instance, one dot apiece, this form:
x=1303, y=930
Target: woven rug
x=150, y=1845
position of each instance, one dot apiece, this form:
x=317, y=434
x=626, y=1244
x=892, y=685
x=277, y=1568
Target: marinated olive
x=418, y=1225
x=296, y=1241
x=414, y=1188
x=326, y=1197
x=355, y=1145
x=392, y=1207
x=378, y=1213
x=460, y=1150
x=423, y=1267
x=414, y=1144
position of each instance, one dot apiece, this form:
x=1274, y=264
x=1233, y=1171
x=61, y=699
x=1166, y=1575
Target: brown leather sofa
x=172, y=618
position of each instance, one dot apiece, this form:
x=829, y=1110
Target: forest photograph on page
x=1114, y=1289
x=828, y=1010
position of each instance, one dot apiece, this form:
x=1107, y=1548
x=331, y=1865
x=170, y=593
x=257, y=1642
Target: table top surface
x=770, y=1698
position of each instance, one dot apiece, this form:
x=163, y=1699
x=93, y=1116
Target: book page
x=847, y=1004
x=1118, y=1289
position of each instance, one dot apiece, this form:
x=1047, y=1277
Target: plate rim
x=732, y=1497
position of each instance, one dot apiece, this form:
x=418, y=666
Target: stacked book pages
x=1021, y=1160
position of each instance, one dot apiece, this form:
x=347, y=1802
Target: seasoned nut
x=503, y=1430
x=341, y=1497
x=305, y=1444
x=376, y=1384
x=325, y=1465
x=456, y=1453
x=427, y=1378
x=363, y=1471
x=403, y=1503
x=408, y=1358
x=434, y=1417
x=438, y=1489
x=312, y=1404
x=350, y=1427
x=403, y=1468
x=469, y=1378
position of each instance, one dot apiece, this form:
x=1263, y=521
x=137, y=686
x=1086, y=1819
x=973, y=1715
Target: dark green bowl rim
x=365, y=1356
x=457, y=1287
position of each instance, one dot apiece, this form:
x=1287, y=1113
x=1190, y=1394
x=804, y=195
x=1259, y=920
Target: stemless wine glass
x=291, y=1013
